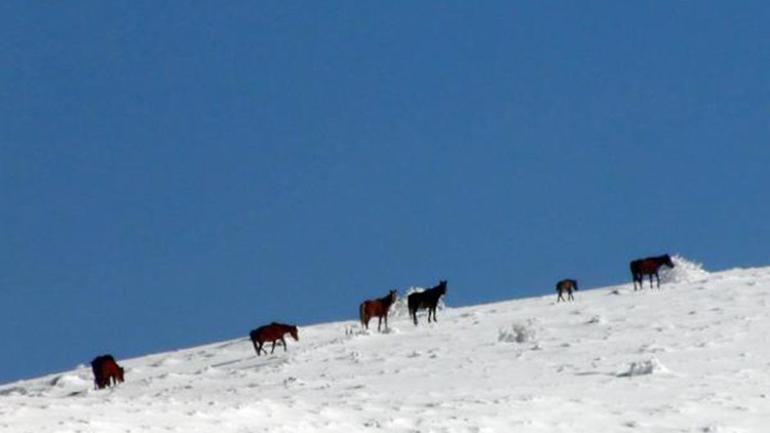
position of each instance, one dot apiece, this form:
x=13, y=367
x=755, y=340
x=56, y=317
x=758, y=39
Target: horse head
x=121, y=373
x=667, y=261
x=294, y=333
x=392, y=295
x=442, y=286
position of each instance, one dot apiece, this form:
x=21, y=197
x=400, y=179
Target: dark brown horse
x=426, y=299
x=648, y=266
x=107, y=372
x=566, y=286
x=376, y=308
x=272, y=332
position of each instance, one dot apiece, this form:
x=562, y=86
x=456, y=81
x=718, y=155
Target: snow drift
x=690, y=357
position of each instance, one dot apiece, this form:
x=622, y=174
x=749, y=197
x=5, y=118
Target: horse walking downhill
x=648, y=266
x=567, y=286
x=376, y=308
x=272, y=333
x=426, y=299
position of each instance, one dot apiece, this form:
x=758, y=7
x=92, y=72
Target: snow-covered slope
x=691, y=357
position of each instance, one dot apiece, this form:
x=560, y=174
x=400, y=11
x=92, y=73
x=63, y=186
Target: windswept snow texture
x=691, y=357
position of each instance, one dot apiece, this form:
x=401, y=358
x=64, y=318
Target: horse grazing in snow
x=376, y=308
x=648, y=266
x=426, y=299
x=107, y=372
x=566, y=286
x=272, y=332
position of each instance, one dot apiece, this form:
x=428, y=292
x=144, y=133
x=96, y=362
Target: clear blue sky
x=178, y=173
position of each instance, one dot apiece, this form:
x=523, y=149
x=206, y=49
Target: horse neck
x=386, y=301
x=432, y=293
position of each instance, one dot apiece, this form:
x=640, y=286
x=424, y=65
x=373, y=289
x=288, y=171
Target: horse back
x=270, y=332
x=649, y=266
x=427, y=298
x=373, y=307
x=414, y=300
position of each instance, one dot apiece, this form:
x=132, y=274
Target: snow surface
x=691, y=357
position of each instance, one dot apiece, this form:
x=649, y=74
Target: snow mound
x=650, y=366
x=69, y=380
x=683, y=271
x=518, y=333
x=596, y=319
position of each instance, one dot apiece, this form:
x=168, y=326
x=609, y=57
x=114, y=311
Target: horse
x=426, y=299
x=376, y=307
x=107, y=372
x=566, y=286
x=272, y=332
x=648, y=266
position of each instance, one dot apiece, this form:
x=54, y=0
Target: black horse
x=426, y=299
x=648, y=266
x=566, y=286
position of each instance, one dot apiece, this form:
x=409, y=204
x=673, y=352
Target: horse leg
x=570, y=297
x=413, y=313
x=379, y=323
x=657, y=277
x=273, y=348
x=651, y=281
x=386, y=321
x=284, y=344
x=559, y=298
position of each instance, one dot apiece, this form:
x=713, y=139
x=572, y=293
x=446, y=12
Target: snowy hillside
x=691, y=357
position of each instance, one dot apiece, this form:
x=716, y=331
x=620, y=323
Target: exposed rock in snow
x=650, y=366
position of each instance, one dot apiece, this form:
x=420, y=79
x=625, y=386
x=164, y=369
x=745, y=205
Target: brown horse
x=376, y=308
x=272, y=332
x=426, y=299
x=107, y=372
x=648, y=266
x=566, y=286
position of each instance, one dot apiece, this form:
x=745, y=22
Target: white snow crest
x=684, y=271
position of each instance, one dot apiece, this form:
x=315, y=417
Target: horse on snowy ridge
x=106, y=371
x=566, y=286
x=648, y=266
x=376, y=308
x=426, y=299
x=272, y=333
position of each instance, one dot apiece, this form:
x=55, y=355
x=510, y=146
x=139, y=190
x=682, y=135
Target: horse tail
x=253, y=337
x=362, y=313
